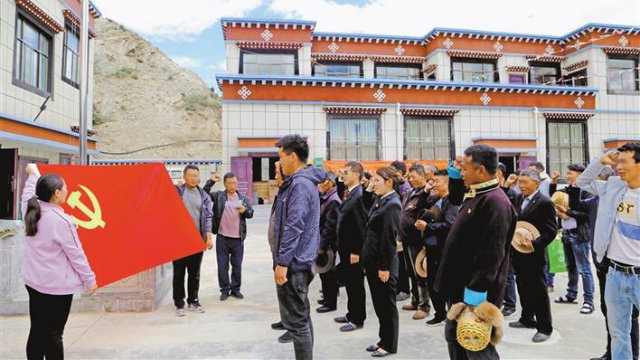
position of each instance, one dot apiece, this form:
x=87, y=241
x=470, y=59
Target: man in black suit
x=352, y=221
x=535, y=208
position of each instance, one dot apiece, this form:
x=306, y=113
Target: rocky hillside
x=143, y=100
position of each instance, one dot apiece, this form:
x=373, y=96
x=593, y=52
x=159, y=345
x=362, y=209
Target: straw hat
x=421, y=263
x=560, y=198
x=523, y=236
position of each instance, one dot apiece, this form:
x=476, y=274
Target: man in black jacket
x=510, y=298
x=231, y=210
x=351, y=225
x=435, y=235
x=414, y=202
x=329, y=204
x=576, y=239
x=475, y=258
x=535, y=208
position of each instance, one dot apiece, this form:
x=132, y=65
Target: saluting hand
x=609, y=158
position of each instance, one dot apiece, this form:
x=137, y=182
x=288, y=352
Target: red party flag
x=130, y=218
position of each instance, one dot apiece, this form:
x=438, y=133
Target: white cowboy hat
x=523, y=236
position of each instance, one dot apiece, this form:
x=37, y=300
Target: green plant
x=140, y=61
x=195, y=101
x=98, y=118
x=126, y=72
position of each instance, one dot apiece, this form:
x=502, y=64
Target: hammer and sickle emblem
x=95, y=216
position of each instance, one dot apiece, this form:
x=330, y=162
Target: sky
x=189, y=31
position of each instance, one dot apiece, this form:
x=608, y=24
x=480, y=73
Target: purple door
x=525, y=161
x=242, y=166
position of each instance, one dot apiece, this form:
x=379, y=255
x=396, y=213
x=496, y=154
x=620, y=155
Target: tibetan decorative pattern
x=71, y=17
x=546, y=58
x=485, y=98
x=379, y=95
x=33, y=9
x=518, y=69
x=568, y=115
x=429, y=111
x=579, y=102
x=340, y=110
x=623, y=41
x=448, y=43
x=498, y=47
x=474, y=54
x=267, y=35
x=576, y=66
x=549, y=50
x=244, y=92
x=269, y=45
x=399, y=50
x=333, y=47
x=430, y=69
x=621, y=50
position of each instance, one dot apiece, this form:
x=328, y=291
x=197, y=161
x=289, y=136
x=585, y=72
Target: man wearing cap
x=475, y=258
x=329, y=205
x=535, y=230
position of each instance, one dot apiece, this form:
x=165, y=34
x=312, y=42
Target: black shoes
x=325, y=309
x=277, y=326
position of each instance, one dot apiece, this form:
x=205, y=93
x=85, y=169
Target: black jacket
x=413, y=203
x=383, y=224
x=441, y=228
x=577, y=210
x=352, y=220
x=541, y=213
x=475, y=254
x=219, y=200
x=329, y=205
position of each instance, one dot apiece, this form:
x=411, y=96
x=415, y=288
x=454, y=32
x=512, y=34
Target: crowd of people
x=457, y=241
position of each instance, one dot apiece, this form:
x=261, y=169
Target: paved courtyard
x=239, y=329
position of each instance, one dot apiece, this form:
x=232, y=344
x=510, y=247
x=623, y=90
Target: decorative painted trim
x=397, y=59
x=546, y=58
x=575, y=66
x=71, y=17
x=430, y=69
x=518, y=69
x=269, y=45
x=567, y=115
x=33, y=9
x=474, y=54
x=637, y=138
x=621, y=50
x=368, y=38
x=429, y=111
x=345, y=110
x=165, y=161
x=404, y=84
x=337, y=57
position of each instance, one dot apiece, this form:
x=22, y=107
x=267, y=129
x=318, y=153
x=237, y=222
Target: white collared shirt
x=528, y=199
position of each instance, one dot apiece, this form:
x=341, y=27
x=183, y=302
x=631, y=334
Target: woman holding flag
x=54, y=266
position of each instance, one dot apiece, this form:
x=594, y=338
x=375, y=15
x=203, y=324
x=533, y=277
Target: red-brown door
x=242, y=167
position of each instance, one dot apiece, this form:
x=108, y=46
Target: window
x=32, y=57
x=268, y=63
x=544, y=74
x=427, y=138
x=566, y=144
x=347, y=70
x=476, y=71
x=622, y=74
x=578, y=78
x=353, y=138
x=517, y=79
x=398, y=72
x=70, y=48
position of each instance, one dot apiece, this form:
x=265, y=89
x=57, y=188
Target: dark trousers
x=229, y=250
x=383, y=296
x=48, y=314
x=403, y=275
x=190, y=264
x=293, y=300
x=510, y=291
x=532, y=288
x=457, y=352
x=434, y=254
x=601, y=272
x=353, y=278
x=330, y=288
x=419, y=289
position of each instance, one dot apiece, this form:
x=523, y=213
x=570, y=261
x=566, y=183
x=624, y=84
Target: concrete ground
x=239, y=329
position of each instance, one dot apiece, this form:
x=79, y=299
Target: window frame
x=50, y=55
x=634, y=58
x=340, y=63
x=448, y=119
x=494, y=63
x=585, y=129
x=568, y=79
x=378, y=120
x=538, y=64
x=244, y=52
x=398, y=65
x=68, y=26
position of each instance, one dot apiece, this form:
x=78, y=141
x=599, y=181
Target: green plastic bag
x=555, y=250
